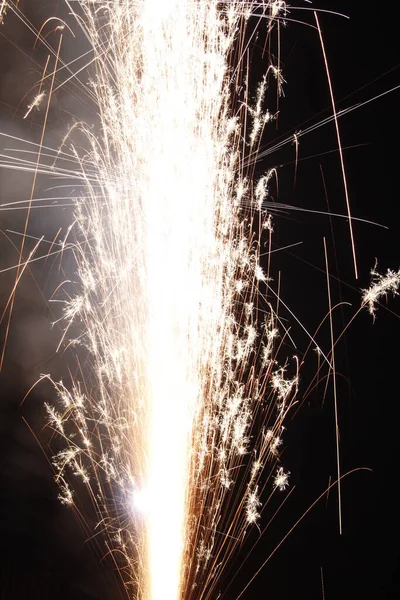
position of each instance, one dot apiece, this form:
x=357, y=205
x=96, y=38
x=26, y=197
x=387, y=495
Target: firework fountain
x=174, y=423
x=168, y=224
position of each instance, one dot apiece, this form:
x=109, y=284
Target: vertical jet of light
x=185, y=186
x=161, y=216
x=168, y=265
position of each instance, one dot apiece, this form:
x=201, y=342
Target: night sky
x=46, y=554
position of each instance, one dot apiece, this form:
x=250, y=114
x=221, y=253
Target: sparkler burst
x=182, y=365
x=169, y=272
x=175, y=422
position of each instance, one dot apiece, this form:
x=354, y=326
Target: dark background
x=45, y=554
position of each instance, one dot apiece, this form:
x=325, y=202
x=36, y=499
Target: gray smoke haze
x=47, y=555
x=32, y=342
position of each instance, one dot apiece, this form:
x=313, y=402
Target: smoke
x=43, y=541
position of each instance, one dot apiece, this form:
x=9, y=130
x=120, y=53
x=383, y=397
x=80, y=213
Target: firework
x=160, y=430
x=175, y=425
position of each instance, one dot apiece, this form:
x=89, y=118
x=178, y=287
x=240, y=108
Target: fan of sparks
x=176, y=427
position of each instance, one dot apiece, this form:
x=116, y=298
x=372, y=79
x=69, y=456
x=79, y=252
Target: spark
x=380, y=286
x=281, y=480
x=3, y=10
x=35, y=103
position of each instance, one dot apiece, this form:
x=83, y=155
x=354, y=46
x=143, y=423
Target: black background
x=44, y=550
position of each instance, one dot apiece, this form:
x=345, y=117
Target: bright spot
x=141, y=501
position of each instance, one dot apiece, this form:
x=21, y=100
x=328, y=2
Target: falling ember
x=161, y=431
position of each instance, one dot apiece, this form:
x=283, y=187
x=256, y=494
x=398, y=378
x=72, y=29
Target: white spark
x=380, y=286
x=281, y=480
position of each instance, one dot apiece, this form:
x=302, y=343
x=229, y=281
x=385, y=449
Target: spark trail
x=182, y=365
